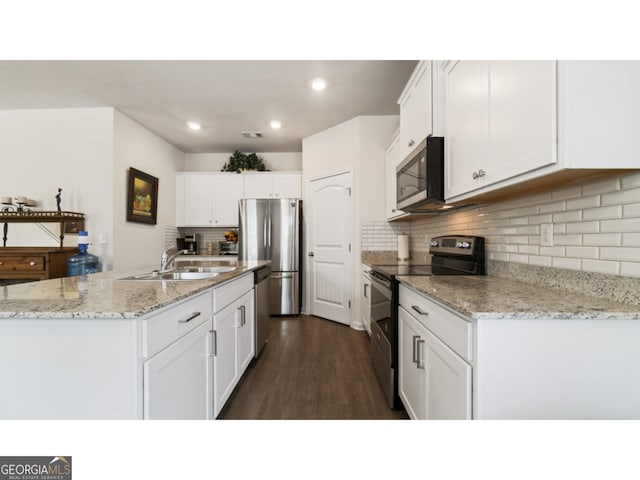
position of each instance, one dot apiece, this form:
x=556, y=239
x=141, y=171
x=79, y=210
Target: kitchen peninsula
x=100, y=347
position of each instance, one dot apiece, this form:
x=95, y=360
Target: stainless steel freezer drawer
x=284, y=293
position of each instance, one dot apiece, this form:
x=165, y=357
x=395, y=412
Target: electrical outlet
x=546, y=234
x=102, y=238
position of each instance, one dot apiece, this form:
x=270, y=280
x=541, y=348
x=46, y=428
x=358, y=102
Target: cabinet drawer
x=22, y=264
x=229, y=292
x=453, y=330
x=172, y=323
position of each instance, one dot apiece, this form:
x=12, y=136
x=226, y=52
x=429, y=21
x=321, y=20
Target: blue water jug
x=83, y=263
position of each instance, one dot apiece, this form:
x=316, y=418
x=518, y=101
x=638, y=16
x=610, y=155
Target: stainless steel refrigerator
x=271, y=229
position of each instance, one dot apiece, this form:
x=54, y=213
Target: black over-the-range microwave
x=420, y=177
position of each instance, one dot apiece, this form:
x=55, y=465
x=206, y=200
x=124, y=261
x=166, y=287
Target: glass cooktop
x=393, y=270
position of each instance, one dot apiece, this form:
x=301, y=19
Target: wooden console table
x=65, y=219
x=34, y=263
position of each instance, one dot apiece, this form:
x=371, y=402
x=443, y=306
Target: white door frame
x=308, y=278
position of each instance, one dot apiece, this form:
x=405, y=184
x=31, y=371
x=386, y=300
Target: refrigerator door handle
x=282, y=275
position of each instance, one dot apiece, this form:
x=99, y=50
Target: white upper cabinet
x=391, y=160
x=508, y=124
x=415, y=109
x=208, y=199
x=499, y=121
x=273, y=185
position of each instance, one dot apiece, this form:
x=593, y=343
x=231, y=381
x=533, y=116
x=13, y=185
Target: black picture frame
x=142, y=197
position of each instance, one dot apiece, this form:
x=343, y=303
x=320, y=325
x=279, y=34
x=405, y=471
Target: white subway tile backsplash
x=600, y=266
x=585, y=202
x=602, y=213
x=631, y=181
x=543, y=261
x=528, y=249
x=603, y=239
x=626, y=225
x=570, y=263
x=596, y=228
x=518, y=258
x=623, y=197
x=582, y=252
x=553, y=207
x=629, y=269
x=575, y=240
x=574, y=216
x=630, y=240
x=552, y=251
x=624, y=254
x=602, y=186
x=583, y=227
x=537, y=219
x=566, y=193
x=631, y=210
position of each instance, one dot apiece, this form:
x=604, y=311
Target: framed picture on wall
x=142, y=197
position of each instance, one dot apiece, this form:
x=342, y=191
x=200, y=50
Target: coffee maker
x=189, y=242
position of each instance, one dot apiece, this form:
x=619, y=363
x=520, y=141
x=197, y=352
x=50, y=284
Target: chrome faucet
x=167, y=257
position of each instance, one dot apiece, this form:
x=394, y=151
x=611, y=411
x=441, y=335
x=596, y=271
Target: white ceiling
x=226, y=97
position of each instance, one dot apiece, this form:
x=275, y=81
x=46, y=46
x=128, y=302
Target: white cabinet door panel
x=258, y=186
x=522, y=96
x=198, y=200
x=227, y=191
x=448, y=387
x=246, y=331
x=177, y=380
x=412, y=381
x=467, y=124
x=287, y=185
x=225, y=371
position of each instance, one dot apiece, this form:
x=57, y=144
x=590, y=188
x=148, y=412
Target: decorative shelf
x=70, y=222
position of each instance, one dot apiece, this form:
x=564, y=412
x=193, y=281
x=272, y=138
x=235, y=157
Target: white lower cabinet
x=234, y=330
x=434, y=381
x=177, y=380
x=365, y=298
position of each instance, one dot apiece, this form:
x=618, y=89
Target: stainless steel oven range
x=451, y=255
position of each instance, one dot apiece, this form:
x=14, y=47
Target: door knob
x=311, y=254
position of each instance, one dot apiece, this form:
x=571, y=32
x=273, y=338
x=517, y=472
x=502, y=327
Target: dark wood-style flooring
x=311, y=368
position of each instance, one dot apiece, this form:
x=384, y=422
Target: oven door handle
x=376, y=277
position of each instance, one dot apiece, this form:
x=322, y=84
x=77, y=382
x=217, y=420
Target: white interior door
x=329, y=247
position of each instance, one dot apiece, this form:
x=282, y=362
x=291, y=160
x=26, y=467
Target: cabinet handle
x=411, y=143
x=419, y=310
x=393, y=210
x=479, y=174
x=242, y=315
x=193, y=315
x=414, y=359
x=419, y=362
x=214, y=342
x=365, y=290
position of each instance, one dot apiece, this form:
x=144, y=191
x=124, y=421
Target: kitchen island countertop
x=106, y=294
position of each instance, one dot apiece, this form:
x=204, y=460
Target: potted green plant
x=239, y=162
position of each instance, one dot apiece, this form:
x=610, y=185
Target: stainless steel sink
x=183, y=273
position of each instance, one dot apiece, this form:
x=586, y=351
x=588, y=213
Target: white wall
x=357, y=145
x=138, y=244
x=41, y=150
x=213, y=162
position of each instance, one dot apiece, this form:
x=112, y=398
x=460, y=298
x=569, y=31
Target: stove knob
x=433, y=243
x=466, y=244
x=459, y=245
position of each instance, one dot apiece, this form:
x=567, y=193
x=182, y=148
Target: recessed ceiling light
x=194, y=125
x=275, y=124
x=318, y=84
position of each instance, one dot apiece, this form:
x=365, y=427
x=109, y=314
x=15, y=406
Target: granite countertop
x=107, y=294
x=484, y=297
